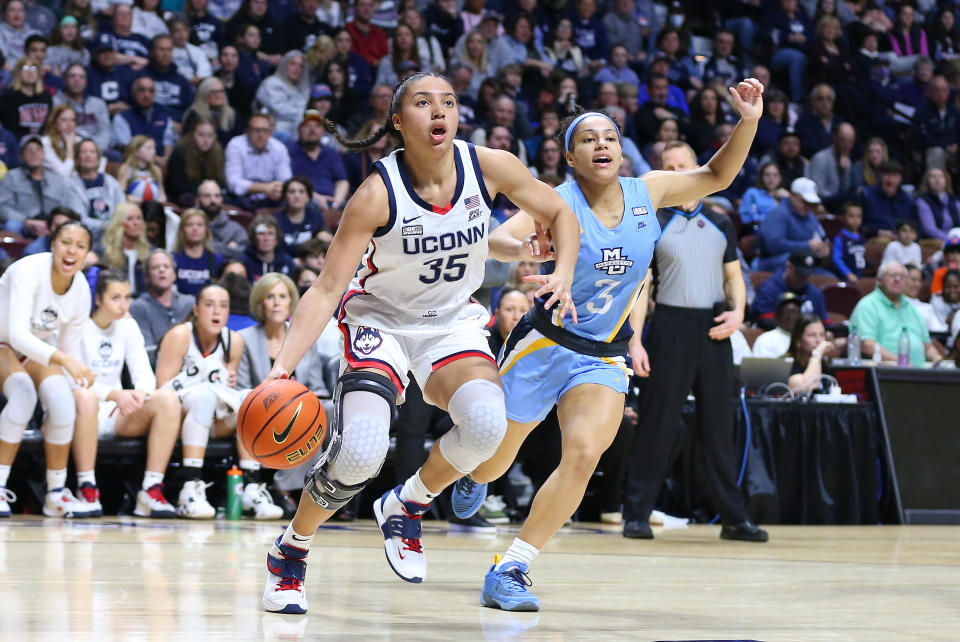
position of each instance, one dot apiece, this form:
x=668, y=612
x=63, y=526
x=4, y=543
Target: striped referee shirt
x=688, y=261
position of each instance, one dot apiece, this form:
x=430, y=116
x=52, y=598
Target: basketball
x=281, y=423
x=146, y=189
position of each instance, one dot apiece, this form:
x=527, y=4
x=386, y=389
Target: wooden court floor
x=132, y=579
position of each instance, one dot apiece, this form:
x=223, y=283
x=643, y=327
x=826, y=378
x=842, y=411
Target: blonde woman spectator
x=474, y=54
x=211, y=103
x=431, y=55
x=124, y=245
x=323, y=51
x=60, y=140
x=24, y=105
x=140, y=163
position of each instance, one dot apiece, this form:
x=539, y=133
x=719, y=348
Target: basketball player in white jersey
x=198, y=359
x=419, y=226
x=44, y=301
x=112, y=338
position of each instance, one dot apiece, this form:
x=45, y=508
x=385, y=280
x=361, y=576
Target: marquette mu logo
x=614, y=261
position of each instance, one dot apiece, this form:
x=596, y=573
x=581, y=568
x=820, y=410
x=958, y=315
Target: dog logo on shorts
x=367, y=340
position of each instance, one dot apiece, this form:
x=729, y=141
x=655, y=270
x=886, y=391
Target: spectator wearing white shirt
x=59, y=140
x=773, y=344
x=912, y=290
x=904, y=249
x=148, y=20
x=192, y=63
x=257, y=165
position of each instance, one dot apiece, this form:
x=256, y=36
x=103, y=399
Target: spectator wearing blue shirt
x=618, y=71
x=723, y=66
x=767, y=194
x=105, y=78
x=849, y=251
x=589, y=33
x=132, y=48
x=174, y=92
x=792, y=33
x=792, y=228
x=817, y=125
x=321, y=165
x=301, y=219
x=683, y=71
x=936, y=125
x=197, y=263
x=792, y=277
x=885, y=203
x=265, y=252
x=675, y=96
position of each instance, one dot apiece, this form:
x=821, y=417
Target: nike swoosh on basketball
x=282, y=436
x=411, y=219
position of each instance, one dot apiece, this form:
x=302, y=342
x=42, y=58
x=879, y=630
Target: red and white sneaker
x=60, y=502
x=400, y=523
x=286, y=569
x=89, y=497
x=152, y=503
x=7, y=497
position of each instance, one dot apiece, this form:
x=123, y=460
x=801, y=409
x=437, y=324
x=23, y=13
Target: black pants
x=684, y=358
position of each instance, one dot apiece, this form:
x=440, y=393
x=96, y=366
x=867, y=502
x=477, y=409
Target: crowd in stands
x=189, y=136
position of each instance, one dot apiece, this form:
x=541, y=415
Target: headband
x=576, y=121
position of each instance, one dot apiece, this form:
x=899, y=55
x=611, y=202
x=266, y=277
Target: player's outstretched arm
x=503, y=172
x=367, y=210
x=521, y=239
x=668, y=189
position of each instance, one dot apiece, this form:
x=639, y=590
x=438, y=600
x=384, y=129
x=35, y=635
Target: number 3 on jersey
x=605, y=295
x=454, y=270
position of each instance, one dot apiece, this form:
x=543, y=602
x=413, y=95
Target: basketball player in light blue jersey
x=582, y=367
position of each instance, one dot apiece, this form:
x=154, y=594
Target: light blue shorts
x=536, y=372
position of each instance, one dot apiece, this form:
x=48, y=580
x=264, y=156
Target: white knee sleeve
x=366, y=438
x=59, y=409
x=200, y=403
x=21, y=400
x=480, y=422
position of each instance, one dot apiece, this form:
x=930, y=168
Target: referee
x=695, y=262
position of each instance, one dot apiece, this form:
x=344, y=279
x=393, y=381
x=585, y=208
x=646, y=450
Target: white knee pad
x=480, y=422
x=59, y=409
x=21, y=400
x=200, y=403
x=366, y=438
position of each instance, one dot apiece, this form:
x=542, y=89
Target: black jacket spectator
x=814, y=136
x=935, y=128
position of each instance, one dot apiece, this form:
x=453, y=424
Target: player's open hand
x=748, y=97
x=641, y=362
x=560, y=287
x=537, y=246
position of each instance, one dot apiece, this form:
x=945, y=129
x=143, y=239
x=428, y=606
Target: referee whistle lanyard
x=689, y=214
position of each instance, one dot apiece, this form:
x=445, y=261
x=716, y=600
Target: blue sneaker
x=400, y=523
x=507, y=588
x=467, y=497
x=286, y=569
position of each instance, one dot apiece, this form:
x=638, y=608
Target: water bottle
x=853, y=346
x=903, y=349
x=234, y=493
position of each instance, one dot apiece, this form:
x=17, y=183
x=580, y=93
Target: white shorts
x=397, y=354
x=106, y=419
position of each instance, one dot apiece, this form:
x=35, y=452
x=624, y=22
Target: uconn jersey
x=612, y=263
x=427, y=260
x=201, y=368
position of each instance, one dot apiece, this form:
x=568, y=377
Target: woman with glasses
x=24, y=105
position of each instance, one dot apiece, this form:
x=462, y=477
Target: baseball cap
x=804, y=263
x=788, y=297
x=321, y=90
x=952, y=242
x=491, y=15
x=104, y=42
x=805, y=188
x=890, y=167
x=311, y=114
x=30, y=138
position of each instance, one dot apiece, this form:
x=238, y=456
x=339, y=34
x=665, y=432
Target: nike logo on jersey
x=411, y=219
x=282, y=436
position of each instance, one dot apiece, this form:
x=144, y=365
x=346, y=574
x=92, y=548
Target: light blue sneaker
x=507, y=588
x=467, y=497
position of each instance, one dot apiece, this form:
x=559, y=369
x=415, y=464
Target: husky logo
x=640, y=211
x=367, y=340
x=47, y=321
x=614, y=261
x=105, y=349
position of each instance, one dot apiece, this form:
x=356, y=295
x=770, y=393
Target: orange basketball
x=281, y=423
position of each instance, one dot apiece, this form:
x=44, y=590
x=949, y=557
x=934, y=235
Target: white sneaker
x=61, y=503
x=258, y=503
x=152, y=503
x=89, y=497
x=193, y=502
x=7, y=497
x=286, y=569
x=400, y=523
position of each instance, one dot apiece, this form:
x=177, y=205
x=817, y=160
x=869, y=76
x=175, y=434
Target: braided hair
x=387, y=128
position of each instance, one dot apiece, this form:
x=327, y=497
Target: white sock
x=249, y=464
x=295, y=539
x=519, y=551
x=56, y=479
x=415, y=491
x=151, y=479
x=87, y=476
x=193, y=462
x=4, y=475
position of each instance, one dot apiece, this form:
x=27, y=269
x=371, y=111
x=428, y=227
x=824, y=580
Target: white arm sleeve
x=137, y=362
x=23, y=291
